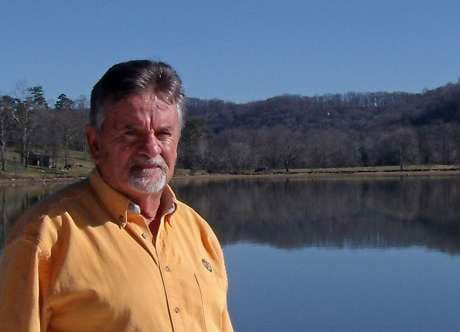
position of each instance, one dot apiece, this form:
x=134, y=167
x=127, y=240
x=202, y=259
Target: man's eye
x=163, y=134
x=130, y=132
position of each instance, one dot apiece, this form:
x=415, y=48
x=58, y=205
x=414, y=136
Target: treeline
x=30, y=126
x=284, y=132
x=339, y=130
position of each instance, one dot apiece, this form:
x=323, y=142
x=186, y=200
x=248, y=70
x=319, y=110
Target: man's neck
x=150, y=205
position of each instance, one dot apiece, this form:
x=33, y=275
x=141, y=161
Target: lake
x=348, y=254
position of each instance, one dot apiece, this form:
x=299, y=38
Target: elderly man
x=118, y=251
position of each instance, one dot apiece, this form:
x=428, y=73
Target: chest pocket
x=213, y=298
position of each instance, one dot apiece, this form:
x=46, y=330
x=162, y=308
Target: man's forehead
x=146, y=99
x=140, y=110
x=145, y=102
x=157, y=100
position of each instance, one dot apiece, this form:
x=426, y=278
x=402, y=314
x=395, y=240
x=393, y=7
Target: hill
x=288, y=131
x=336, y=130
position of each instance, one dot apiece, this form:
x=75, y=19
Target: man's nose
x=151, y=145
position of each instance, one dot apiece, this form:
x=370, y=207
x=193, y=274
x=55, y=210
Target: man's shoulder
x=190, y=216
x=60, y=201
x=183, y=207
x=195, y=224
x=49, y=212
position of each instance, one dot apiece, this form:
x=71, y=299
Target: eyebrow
x=168, y=128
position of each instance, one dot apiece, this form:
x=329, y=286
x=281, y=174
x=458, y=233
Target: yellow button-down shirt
x=85, y=260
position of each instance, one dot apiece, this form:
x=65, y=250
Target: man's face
x=135, y=150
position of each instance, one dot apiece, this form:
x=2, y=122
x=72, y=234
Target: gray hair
x=136, y=76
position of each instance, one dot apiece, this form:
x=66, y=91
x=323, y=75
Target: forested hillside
x=353, y=129
x=283, y=132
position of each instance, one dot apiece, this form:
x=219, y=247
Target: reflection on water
x=295, y=213
x=363, y=255
x=332, y=213
x=328, y=289
x=14, y=200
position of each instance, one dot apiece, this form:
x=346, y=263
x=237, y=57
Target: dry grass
x=82, y=165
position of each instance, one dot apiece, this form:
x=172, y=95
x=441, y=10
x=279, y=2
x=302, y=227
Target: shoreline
x=313, y=174
x=19, y=181
x=322, y=175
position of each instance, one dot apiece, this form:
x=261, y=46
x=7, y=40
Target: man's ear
x=93, y=142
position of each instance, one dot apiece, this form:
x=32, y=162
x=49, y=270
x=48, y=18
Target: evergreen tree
x=63, y=103
x=36, y=98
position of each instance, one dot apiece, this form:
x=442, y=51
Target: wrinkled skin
x=135, y=149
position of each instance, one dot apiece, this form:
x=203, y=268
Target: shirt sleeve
x=19, y=287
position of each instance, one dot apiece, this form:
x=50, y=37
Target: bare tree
x=407, y=146
x=23, y=116
x=280, y=146
x=7, y=105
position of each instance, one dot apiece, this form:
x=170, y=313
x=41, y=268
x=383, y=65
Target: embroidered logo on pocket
x=207, y=265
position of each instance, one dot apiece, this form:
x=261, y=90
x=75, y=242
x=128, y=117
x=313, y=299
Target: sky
x=236, y=50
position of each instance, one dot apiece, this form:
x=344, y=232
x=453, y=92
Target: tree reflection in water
x=294, y=212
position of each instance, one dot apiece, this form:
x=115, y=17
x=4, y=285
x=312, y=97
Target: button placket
x=142, y=236
x=174, y=297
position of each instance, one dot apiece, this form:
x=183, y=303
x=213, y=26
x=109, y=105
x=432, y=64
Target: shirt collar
x=120, y=206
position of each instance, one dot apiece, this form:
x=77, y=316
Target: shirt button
x=176, y=310
x=167, y=269
x=145, y=236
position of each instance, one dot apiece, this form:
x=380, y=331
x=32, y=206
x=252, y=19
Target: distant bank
x=38, y=175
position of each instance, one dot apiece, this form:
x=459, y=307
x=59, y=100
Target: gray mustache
x=153, y=162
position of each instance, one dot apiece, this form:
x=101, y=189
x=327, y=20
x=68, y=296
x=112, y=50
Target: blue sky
x=234, y=50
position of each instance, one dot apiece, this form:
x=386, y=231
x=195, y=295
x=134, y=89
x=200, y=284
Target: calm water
x=328, y=255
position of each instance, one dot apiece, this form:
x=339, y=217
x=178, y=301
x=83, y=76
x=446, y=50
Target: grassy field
x=330, y=173
x=82, y=165
x=80, y=161
x=378, y=169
